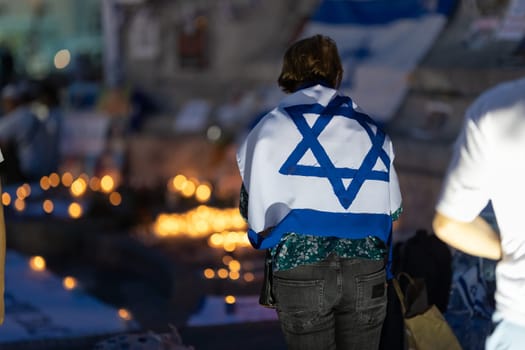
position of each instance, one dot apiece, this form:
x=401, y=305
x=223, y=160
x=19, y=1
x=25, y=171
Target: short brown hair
x=311, y=60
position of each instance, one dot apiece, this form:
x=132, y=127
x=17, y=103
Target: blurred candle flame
x=6, y=199
x=37, y=263
x=124, y=314
x=75, y=210
x=107, y=184
x=69, y=283
x=48, y=206
x=229, y=299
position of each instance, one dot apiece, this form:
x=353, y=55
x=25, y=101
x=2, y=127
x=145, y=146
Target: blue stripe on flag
x=328, y=224
x=373, y=12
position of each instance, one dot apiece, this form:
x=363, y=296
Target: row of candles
x=224, y=229
x=232, y=270
x=190, y=188
x=38, y=264
x=77, y=188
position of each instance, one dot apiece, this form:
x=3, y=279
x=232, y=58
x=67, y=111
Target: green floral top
x=297, y=249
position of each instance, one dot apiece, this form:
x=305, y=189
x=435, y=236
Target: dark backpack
x=426, y=256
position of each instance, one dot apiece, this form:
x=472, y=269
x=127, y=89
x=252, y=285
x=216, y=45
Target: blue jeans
x=333, y=304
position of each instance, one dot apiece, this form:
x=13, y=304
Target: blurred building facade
x=222, y=58
x=210, y=49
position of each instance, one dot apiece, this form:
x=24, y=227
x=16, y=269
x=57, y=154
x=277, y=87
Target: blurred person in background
x=321, y=192
x=488, y=165
x=7, y=66
x=48, y=109
x=29, y=133
x=2, y=254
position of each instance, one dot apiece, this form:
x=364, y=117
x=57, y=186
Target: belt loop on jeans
x=335, y=260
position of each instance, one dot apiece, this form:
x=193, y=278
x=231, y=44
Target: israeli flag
x=317, y=165
x=380, y=43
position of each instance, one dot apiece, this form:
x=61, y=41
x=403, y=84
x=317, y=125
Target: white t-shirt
x=489, y=164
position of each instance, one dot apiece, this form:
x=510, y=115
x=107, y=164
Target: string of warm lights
x=224, y=228
x=190, y=187
x=77, y=187
x=233, y=271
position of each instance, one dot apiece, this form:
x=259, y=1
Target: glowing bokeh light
x=234, y=275
x=107, y=184
x=6, y=199
x=27, y=189
x=20, y=204
x=188, y=189
x=124, y=314
x=214, y=133
x=62, y=59
x=209, y=273
x=44, y=183
x=78, y=187
x=115, y=198
x=222, y=273
x=229, y=246
x=21, y=192
x=203, y=221
x=249, y=277
x=237, y=221
x=67, y=179
x=234, y=265
x=75, y=210
x=202, y=227
x=69, y=283
x=48, y=206
x=178, y=182
x=37, y=263
x=203, y=193
x=216, y=240
x=54, y=180
x=226, y=259
x=94, y=184
x=229, y=299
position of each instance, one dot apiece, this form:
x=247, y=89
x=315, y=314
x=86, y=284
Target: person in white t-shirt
x=489, y=165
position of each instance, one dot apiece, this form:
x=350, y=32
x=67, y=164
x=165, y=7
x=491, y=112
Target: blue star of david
x=326, y=168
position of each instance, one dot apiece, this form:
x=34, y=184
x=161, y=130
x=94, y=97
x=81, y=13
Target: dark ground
x=160, y=283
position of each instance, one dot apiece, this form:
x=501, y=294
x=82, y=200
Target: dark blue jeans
x=333, y=304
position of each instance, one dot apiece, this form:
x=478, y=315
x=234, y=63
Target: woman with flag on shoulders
x=321, y=193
